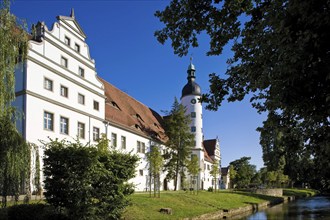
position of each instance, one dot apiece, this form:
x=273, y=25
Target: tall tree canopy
x=180, y=142
x=244, y=172
x=281, y=56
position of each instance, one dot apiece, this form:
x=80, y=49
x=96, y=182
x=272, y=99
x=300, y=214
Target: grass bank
x=298, y=193
x=186, y=205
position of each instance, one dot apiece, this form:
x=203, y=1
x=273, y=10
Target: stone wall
x=270, y=192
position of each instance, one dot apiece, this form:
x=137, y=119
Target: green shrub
x=210, y=189
x=89, y=182
x=34, y=212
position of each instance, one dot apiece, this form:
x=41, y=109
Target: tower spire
x=72, y=13
x=191, y=70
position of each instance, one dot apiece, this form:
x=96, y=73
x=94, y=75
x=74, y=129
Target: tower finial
x=191, y=58
x=72, y=13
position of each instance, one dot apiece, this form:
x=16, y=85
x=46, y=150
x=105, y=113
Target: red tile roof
x=126, y=112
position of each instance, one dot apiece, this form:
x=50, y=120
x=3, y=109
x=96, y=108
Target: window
x=81, y=99
x=77, y=48
x=81, y=72
x=193, y=114
x=96, y=134
x=48, y=121
x=64, y=91
x=141, y=147
x=64, y=62
x=193, y=129
x=123, y=142
x=113, y=140
x=81, y=130
x=64, y=125
x=48, y=84
x=141, y=172
x=138, y=146
x=67, y=41
x=96, y=105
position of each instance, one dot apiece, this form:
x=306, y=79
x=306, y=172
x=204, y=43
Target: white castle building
x=61, y=96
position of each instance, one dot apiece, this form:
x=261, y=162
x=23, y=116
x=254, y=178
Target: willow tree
x=14, y=153
x=14, y=160
x=14, y=41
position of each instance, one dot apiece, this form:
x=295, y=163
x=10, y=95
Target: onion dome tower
x=191, y=93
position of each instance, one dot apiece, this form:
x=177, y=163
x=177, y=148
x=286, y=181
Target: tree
x=281, y=56
x=88, y=182
x=14, y=160
x=215, y=173
x=14, y=42
x=244, y=172
x=180, y=142
x=14, y=152
x=193, y=169
x=232, y=176
x=156, y=162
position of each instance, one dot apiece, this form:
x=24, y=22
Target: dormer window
x=115, y=105
x=138, y=117
x=77, y=48
x=67, y=40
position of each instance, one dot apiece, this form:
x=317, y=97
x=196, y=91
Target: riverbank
x=205, y=205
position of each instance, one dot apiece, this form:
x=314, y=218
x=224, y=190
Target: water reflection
x=310, y=208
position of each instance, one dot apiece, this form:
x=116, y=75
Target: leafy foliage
x=14, y=159
x=156, y=163
x=281, y=56
x=34, y=212
x=215, y=172
x=180, y=142
x=14, y=41
x=87, y=182
x=244, y=172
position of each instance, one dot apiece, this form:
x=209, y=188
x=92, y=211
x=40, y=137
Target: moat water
x=317, y=207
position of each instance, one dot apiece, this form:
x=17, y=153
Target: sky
x=120, y=35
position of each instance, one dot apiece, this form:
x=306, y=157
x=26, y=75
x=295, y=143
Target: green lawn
x=185, y=205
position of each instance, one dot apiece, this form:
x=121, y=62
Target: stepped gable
x=126, y=112
x=210, y=146
x=206, y=155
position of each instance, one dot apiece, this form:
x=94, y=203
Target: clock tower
x=191, y=93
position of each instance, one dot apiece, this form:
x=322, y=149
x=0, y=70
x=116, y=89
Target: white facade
x=60, y=95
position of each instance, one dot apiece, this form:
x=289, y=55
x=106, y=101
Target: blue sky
x=121, y=41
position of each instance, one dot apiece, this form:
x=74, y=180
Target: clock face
x=193, y=101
